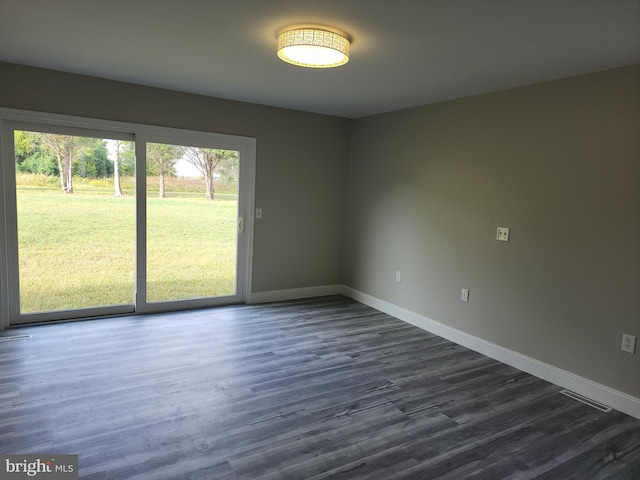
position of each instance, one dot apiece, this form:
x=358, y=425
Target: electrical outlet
x=502, y=234
x=398, y=276
x=628, y=343
x=464, y=295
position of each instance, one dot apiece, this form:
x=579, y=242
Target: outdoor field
x=78, y=250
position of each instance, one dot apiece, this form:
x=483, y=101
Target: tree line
x=69, y=156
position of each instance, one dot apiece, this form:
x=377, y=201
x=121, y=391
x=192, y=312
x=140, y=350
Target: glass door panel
x=192, y=222
x=75, y=216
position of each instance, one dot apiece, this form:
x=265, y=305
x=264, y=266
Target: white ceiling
x=404, y=52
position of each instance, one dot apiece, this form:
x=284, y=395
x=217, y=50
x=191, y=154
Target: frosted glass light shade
x=312, y=47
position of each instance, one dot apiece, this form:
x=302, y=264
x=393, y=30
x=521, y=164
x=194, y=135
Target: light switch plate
x=464, y=295
x=502, y=234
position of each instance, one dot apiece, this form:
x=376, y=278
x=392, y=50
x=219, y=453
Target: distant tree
x=210, y=161
x=230, y=169
x=118, y=145
x=161, y=161
x=32, y=156
x=93, y=159
x=65, y=148
x=127, y=160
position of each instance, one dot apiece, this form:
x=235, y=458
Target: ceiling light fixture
x=313, y=47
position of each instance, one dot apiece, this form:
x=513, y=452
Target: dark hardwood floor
x=314, y=389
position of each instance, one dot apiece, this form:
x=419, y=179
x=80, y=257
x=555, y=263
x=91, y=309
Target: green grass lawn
x=78, y=250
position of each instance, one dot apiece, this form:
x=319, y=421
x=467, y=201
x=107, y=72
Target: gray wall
x=558, y=163
x=301, y=161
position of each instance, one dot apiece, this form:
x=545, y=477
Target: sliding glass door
x=71, y=232
x=193, y=222
x=110, y=222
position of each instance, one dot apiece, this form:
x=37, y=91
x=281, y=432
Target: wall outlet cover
x=628, y=343
x=502, y=234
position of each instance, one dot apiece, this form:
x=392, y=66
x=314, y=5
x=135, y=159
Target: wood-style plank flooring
x=313, y=389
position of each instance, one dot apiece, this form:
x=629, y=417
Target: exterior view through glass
x=75, y=204
x=192, y=215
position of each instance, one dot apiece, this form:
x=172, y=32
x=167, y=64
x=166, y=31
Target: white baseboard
x=613, y=398
x=294, y=293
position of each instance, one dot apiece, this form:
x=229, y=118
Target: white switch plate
x=464, y=295
x=502, y=234
x=628, y=343
x=258, y=213
x=398, y=276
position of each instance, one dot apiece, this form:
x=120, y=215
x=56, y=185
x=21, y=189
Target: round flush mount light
x=313, y=47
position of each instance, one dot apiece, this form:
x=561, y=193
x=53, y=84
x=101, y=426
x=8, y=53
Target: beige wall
x=558, y=163
x=301, y=161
